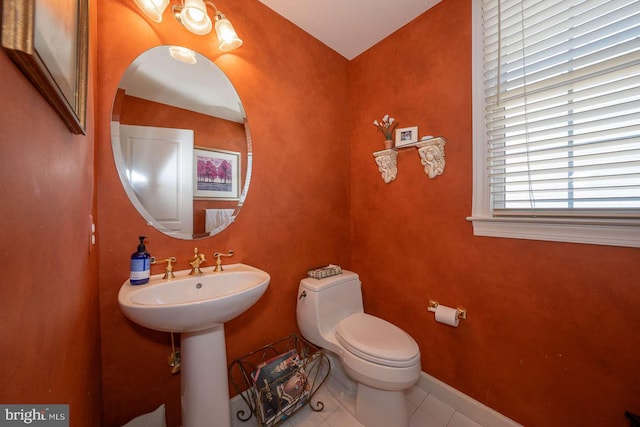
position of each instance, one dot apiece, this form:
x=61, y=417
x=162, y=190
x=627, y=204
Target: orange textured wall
x=49, y=319
x=552, y=336
x=296, y=213
x=227, y=135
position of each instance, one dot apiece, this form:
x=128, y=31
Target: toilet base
x=381, y=408
x=340, y=376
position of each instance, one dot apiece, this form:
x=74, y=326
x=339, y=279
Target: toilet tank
x=325, y=302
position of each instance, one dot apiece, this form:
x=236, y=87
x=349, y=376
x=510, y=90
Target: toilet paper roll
x=447, y=315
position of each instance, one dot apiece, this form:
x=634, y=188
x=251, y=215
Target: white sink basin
x=193, y=303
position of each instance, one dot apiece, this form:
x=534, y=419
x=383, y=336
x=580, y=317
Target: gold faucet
x=217, y=256
x=168, y=273
x=195, y=262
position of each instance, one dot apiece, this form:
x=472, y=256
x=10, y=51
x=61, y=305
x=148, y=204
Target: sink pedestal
x=204, y=384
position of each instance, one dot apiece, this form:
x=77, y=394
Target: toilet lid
x=377, y=340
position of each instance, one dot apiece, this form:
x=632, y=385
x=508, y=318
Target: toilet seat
x=377, y=341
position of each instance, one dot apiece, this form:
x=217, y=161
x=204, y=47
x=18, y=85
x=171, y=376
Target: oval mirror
x=181, y=142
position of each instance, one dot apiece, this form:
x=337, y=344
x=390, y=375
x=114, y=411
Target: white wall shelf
x=431, y=152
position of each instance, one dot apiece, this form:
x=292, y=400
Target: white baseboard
x=459, y=401
x=462, y=403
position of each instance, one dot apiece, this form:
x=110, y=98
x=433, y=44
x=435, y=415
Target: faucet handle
x=168, y=273
x=218, y=256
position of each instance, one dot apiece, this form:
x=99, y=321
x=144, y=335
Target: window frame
x=599, y=231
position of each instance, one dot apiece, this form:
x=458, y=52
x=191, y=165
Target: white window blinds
x=562, y=93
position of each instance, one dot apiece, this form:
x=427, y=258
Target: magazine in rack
x=282, y=385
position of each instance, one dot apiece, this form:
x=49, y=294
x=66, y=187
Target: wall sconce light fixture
x=192, y=14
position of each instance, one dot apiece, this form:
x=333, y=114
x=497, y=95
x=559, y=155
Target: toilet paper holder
x=462, y=313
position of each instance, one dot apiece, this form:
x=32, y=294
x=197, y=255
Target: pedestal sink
x=197, y=307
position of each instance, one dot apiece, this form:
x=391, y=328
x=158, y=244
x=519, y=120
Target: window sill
x=590, y=231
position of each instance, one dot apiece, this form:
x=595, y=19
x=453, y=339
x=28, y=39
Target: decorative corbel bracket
x=387, y=161
x=432, y=156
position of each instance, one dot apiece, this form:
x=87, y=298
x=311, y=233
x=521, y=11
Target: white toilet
x=380, y=357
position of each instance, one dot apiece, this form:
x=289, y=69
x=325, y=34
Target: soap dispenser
x=140, y=265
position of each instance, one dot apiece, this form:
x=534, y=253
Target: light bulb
x=227, y=38
x=153, y=9
x=194, y=17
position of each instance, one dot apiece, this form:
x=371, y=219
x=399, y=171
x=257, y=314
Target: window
x=557, y=120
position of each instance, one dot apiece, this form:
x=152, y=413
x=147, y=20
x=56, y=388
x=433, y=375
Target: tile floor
x=425, y=409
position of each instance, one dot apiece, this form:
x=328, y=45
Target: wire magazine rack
x=279, y=379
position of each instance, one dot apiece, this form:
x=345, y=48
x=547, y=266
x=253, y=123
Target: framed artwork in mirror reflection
x=48, y=40
x=216, y=174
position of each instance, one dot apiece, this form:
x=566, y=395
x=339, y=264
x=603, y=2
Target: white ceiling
x=201, y=87
x=350, y=27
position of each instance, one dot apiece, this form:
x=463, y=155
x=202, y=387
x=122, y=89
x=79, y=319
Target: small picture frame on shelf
x=406, y=136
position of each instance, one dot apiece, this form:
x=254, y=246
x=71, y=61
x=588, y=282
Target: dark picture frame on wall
x=48, y=40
